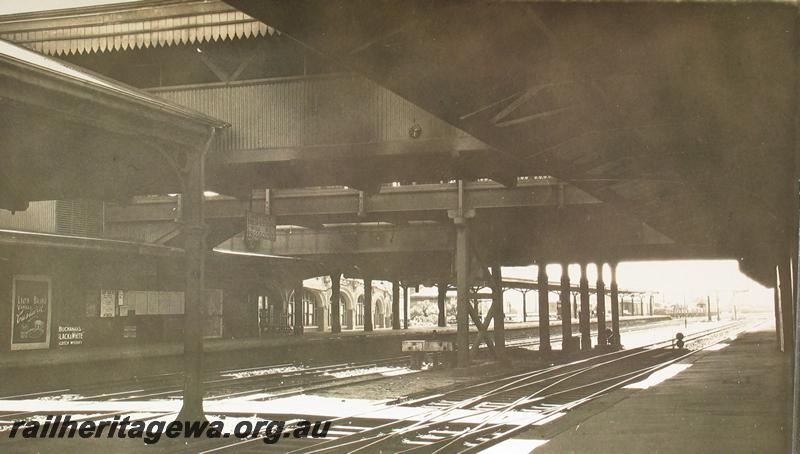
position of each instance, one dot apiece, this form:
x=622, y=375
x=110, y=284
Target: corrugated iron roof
x=127, y=26
x=19, y=56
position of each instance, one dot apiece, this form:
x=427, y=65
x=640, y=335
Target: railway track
x=220, y=383
x=428, y=427
x=469, y=419
x=279, y=380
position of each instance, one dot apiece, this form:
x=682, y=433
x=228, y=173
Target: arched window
x=264, y=316
x=308, y=309
x=346, y=310
x=359, y=311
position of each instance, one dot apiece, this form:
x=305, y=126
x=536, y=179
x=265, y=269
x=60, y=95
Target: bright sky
x=679, y=275
x=692, y=278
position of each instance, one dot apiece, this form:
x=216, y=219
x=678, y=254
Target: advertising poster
x=108, y=303
x=69, y=336
x=30, y=324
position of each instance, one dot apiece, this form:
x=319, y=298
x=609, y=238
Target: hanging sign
x=258, y=226
x=30, y=314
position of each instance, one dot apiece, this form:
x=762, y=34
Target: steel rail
x=511, y=432
x=428, y=422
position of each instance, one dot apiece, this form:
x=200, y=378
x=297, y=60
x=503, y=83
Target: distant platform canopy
x=134, y=26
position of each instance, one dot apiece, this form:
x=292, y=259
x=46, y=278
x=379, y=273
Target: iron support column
x=575, y=308
x=778, y=316
x=194, y=231
x=441, y=302
x=336, y=315
x=462, y=284
x=586, y=333
x=395, y=305
x=298, y=307
x=405, y=307
x=787, y=303
x=499, y=312
x=524, y=306
x=460, y=217
x=601, y=308
x=367, y=305
x=617, y=343
x=544, y=309
x=566, y=309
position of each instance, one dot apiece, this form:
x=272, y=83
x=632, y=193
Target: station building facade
x=317, y=305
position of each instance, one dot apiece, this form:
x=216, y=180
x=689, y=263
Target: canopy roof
x=129, y=26
x=69, y=133
x=683, y=114
x=57, y=69
x=276, y=267
x=18, y=238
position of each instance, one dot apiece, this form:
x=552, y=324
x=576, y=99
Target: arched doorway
x=271, y=310
x=309, y=308
x=358, y=315
x=346, y=313
x=379, y=320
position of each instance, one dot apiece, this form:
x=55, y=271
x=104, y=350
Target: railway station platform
x=730, y=399
x=89, y=364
